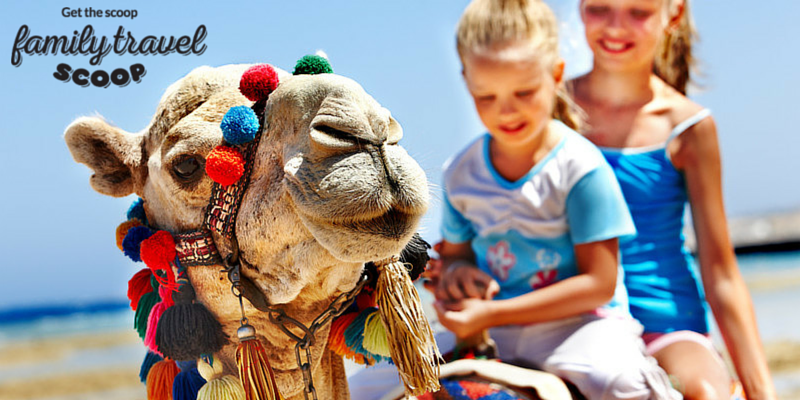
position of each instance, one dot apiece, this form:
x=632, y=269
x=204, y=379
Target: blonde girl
x=664, y=151
x=533, y=216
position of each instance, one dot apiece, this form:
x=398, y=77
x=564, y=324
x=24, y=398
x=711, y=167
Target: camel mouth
x=393, y=224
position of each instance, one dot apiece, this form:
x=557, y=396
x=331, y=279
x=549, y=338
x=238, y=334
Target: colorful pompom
x=354, y=336
x=188, y=330
x=375, y=339
x=143, y=309
x=187, y=384
x=239, y=125
x=155, y=315
x=133, y=239
x=136, y=210
x=149, y=360
x=138, y=286
x=224, y=165
x=258, y=82
x=122, y=230
x=224, y=388
x=160, y=379
x=312, y=65
x=337, y=341
x=158, y=250
x=365, y=300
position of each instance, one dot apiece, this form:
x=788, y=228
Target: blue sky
x=58, y=241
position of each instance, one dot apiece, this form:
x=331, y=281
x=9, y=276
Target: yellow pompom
x=122, y=230
x=225, y=388
x=207, y=371
x=375, y=339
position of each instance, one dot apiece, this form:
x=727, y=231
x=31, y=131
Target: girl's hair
x=486, y=25
x=674, y=62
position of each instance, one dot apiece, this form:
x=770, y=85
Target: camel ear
x=114, y=155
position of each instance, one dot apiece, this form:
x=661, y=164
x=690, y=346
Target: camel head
x=329, y=190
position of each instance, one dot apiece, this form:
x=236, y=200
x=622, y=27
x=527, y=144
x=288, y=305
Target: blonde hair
x=674, y=62
x=487, y=25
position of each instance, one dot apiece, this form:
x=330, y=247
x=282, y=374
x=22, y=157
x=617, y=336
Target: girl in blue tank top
x=663, y=149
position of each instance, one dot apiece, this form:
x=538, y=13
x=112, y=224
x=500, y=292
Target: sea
x=773, y=280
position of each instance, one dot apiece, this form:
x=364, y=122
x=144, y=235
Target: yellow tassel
x=410, y=337
x=255, y=373
x=224, y=388
x=375, y=340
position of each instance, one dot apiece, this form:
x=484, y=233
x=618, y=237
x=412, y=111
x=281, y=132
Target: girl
x=663, y=149
x=533, y=216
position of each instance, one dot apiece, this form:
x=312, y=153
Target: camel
x=330, y=189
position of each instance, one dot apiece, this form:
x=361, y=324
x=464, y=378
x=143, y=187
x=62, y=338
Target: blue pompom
x=186, y=365
x=133, y=240
x=136, y=210
x=149, y=360
x=187, y=384
x=239, y=125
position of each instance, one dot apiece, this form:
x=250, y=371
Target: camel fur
x=330, y=190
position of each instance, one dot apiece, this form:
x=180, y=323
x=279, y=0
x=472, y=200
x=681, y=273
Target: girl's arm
x=593, y=287
x=697, y=155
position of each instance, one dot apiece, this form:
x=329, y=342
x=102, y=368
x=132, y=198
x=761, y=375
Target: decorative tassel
x=133, y=239
x=187, y=330
x=149, y=360
x=158, y=251
x=136, y=210
x=375, y=340
x=410, y=337
x=187, y=384
x=337, y=341
x=224, y=388
x=415, y=256
x=143, y=309
x=218, y=387
x=155, y=316
x=354, y=336
x=138, y=286
x=256, y=374
x=160, y=380
x=122, y=231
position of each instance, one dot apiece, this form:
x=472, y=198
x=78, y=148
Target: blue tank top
x=664, y=289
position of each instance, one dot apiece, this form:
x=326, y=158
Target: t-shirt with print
x=523, y=233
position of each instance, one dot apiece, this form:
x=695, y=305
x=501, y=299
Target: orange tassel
x=160, y=378
x=256, y=374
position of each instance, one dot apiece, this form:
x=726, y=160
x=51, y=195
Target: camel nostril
x=333, y=138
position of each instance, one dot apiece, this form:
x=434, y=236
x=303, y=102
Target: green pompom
x=312, y=65
x=143, y=308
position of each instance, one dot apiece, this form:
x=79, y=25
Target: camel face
x=329, y=190
x=330, y=187
x=353, y=187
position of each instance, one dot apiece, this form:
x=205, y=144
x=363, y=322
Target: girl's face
x=514, y=98
x=624, y=34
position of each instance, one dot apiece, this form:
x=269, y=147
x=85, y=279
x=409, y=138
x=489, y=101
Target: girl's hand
x=464, y=318
x=433, y=271
x=464, y=281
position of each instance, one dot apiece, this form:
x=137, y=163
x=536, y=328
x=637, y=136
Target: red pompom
x=138, y=286
x=365, y=300
x=258, y=82
x=158, y=250
x=224, y=165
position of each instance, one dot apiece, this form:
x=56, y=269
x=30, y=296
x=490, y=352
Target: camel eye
x=187, y=168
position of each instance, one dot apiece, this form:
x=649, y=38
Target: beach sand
x=105, y=365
